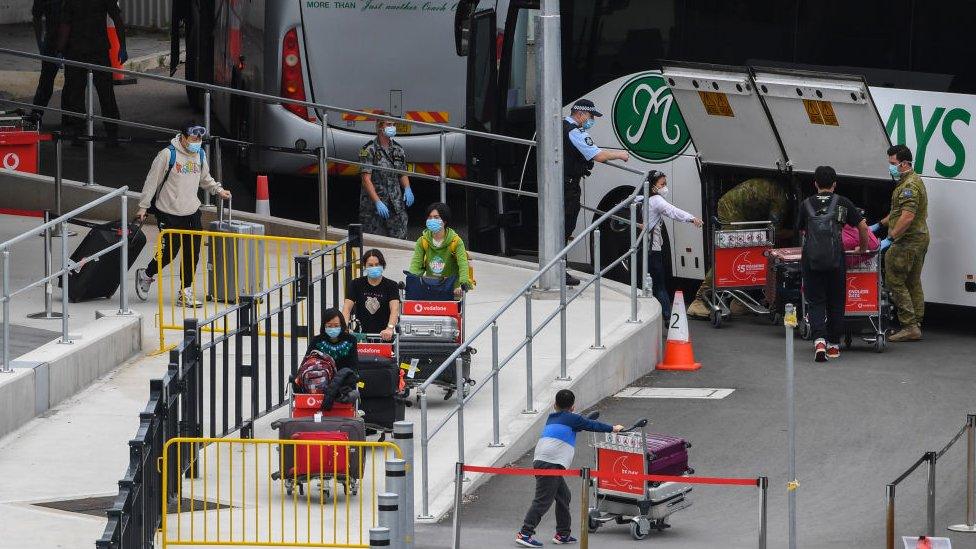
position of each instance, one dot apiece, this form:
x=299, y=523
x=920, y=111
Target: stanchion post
x=403, y=437
x=324, y=178
x=633, y=262
x=646, y=241
x=890, y=516
x=970, y=525
x=763, y=483
x=458, y=500
x=585, y=508
x=495, y=413
x=443, y=167
x=90, y=126
x=388, y=509
x=379, y=537
x=207, y=148
x=528, y=355
x=563, y=373
x=6, y=311
x=425, y=458
x=396, y=483
x=789, y=322
x=598, y=273
x=930, y=495
x=460, y=384
x=65, y=259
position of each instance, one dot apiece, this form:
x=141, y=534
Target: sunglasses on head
x=196, y=131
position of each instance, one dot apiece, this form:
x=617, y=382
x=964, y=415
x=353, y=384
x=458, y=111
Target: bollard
x=379, y=537
x=495, y=413
x=763, y=483
x=970, y=525
x=598, y=273
x=584, y=540
x=388, y=508
x=563, y=374
x=396, y=483
x=458, y=500
x=403, y=437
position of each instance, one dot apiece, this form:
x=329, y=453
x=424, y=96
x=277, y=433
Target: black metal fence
x=228, y=371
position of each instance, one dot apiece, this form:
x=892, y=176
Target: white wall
x=15, y=11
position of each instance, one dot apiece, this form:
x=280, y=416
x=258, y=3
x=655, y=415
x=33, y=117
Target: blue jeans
x=658, y=279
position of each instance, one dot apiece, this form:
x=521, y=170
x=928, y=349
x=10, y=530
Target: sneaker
x=527, y=541
x=143, y=283
x=911, y=333
x=698, y=309
x=820, y=350
x=560, y=539
x=185, y=299
x=572, y=280
x=833, y=351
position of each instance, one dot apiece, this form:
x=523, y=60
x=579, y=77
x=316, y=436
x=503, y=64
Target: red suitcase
x=667, y=455
x=313, y=460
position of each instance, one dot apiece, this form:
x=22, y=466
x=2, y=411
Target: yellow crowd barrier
x=232, y=264
x=249, y=492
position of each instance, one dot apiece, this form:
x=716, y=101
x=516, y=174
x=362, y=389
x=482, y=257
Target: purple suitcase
x=667, y=455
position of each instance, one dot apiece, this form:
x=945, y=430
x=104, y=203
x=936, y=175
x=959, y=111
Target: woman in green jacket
x=440, y=252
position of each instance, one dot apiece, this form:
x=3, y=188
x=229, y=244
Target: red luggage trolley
x=642, y=504
x=739, y=264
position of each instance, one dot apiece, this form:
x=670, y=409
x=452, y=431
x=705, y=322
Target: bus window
x=481, y=67
x=522, y=72
x=941, y=42
x=731, y=31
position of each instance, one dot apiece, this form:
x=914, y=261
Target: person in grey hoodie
x=170, y=195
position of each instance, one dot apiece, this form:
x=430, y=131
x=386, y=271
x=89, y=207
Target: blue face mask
x=893, y=170
x=333, y=332
x=194, y=147
x=374, y=272
x=435, y=225
x=588, y=124
x=390, y=131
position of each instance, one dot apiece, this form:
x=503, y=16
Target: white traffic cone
x=262, y=202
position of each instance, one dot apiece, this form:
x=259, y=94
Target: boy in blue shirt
x=555, y=450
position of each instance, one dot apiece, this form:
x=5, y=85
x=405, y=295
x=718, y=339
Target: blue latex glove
x=408, y=196
x=875, y=228
x=123, y=55
x=884, y=244
x=382, y=210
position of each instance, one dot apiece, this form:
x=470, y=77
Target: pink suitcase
x=667, y=455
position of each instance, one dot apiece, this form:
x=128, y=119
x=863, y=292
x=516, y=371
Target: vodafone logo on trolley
x=11, y=161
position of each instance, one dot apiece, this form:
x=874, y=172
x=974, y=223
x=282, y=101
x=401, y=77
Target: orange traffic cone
x=113, y=54
x=262, y=202
x=678, y=354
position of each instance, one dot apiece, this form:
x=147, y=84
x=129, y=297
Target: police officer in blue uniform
x=579, y=153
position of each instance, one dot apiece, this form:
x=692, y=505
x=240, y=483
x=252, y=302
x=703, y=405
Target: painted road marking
x=674, y=392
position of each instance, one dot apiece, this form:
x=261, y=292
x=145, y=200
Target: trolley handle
x=865, y=253
x=639, y=425
x=716, y=220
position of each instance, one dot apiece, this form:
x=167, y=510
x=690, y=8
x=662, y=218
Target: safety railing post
x=529, y=409
x=396, y=483
x=403, y=437
x=443, y=167
x=425, y=458
x=646, y=243
x=633, y=262
x=355, y=234
x=584, y=508
x=388, y=509
x=970, y=525
x=47, y=313
x=324, y=178
x=563, y=373
x=65, y=260
x=90, y=126
x=217, y=165
x=58, y=174
x=6, y=311
x=763, y=483
x=458, y=500
x=598, y=274
x=890, y=516
x=460, y=384
x=495, y=404
x=379, y=537
x=930, y=495
x=124, y=251
x=207, y=148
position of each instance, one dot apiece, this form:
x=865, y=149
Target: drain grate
x=99, y=506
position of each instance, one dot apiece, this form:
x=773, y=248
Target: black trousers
x=73, y=94
x=45, y=84
x=825, y=293
x=572, y=199
x=172, y=244
x=548, y=490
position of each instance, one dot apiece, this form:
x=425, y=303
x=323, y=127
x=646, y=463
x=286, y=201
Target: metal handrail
x=63, y=218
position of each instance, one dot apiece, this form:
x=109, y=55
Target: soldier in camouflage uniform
x=908, y=237
x=385, y=195
x=752, y=200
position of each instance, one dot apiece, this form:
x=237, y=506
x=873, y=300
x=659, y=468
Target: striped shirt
x=558, y=442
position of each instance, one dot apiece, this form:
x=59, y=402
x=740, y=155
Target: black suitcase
x=429, y=357
x=354, y=428
x=382, y=412
x=100, y=278
x=380, y=377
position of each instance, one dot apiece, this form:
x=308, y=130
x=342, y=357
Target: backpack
x=452, y=248
x=316, y=373
x=822, y=249
x=172, y=162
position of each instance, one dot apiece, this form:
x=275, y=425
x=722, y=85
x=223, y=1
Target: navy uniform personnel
x=908, y=237
x=385, y=195
x=579, y=153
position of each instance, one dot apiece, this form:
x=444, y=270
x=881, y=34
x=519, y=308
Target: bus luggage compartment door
x=825, y=119
x=725, y=116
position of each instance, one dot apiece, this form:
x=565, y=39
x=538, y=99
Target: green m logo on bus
x=646, y=120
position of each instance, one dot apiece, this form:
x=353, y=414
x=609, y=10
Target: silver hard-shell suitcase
x=235, y=266
x=428, y=328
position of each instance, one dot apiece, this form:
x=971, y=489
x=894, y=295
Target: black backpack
x=822, y=248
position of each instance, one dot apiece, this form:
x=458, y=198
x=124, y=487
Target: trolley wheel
x=879, y=343
x=716, y=318
x=448, y=393
x=592, y=523
x=639, y=528
x=805, y=330
x=847, y=340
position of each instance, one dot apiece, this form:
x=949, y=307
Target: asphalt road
x=862, y=420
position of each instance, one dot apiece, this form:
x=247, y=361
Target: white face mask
x=663, y=192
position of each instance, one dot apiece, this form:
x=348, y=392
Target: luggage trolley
x=739, y=264
x=644, y=505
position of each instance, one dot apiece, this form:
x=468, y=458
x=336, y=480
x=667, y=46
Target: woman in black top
x=373, y=298
x=335, y=340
